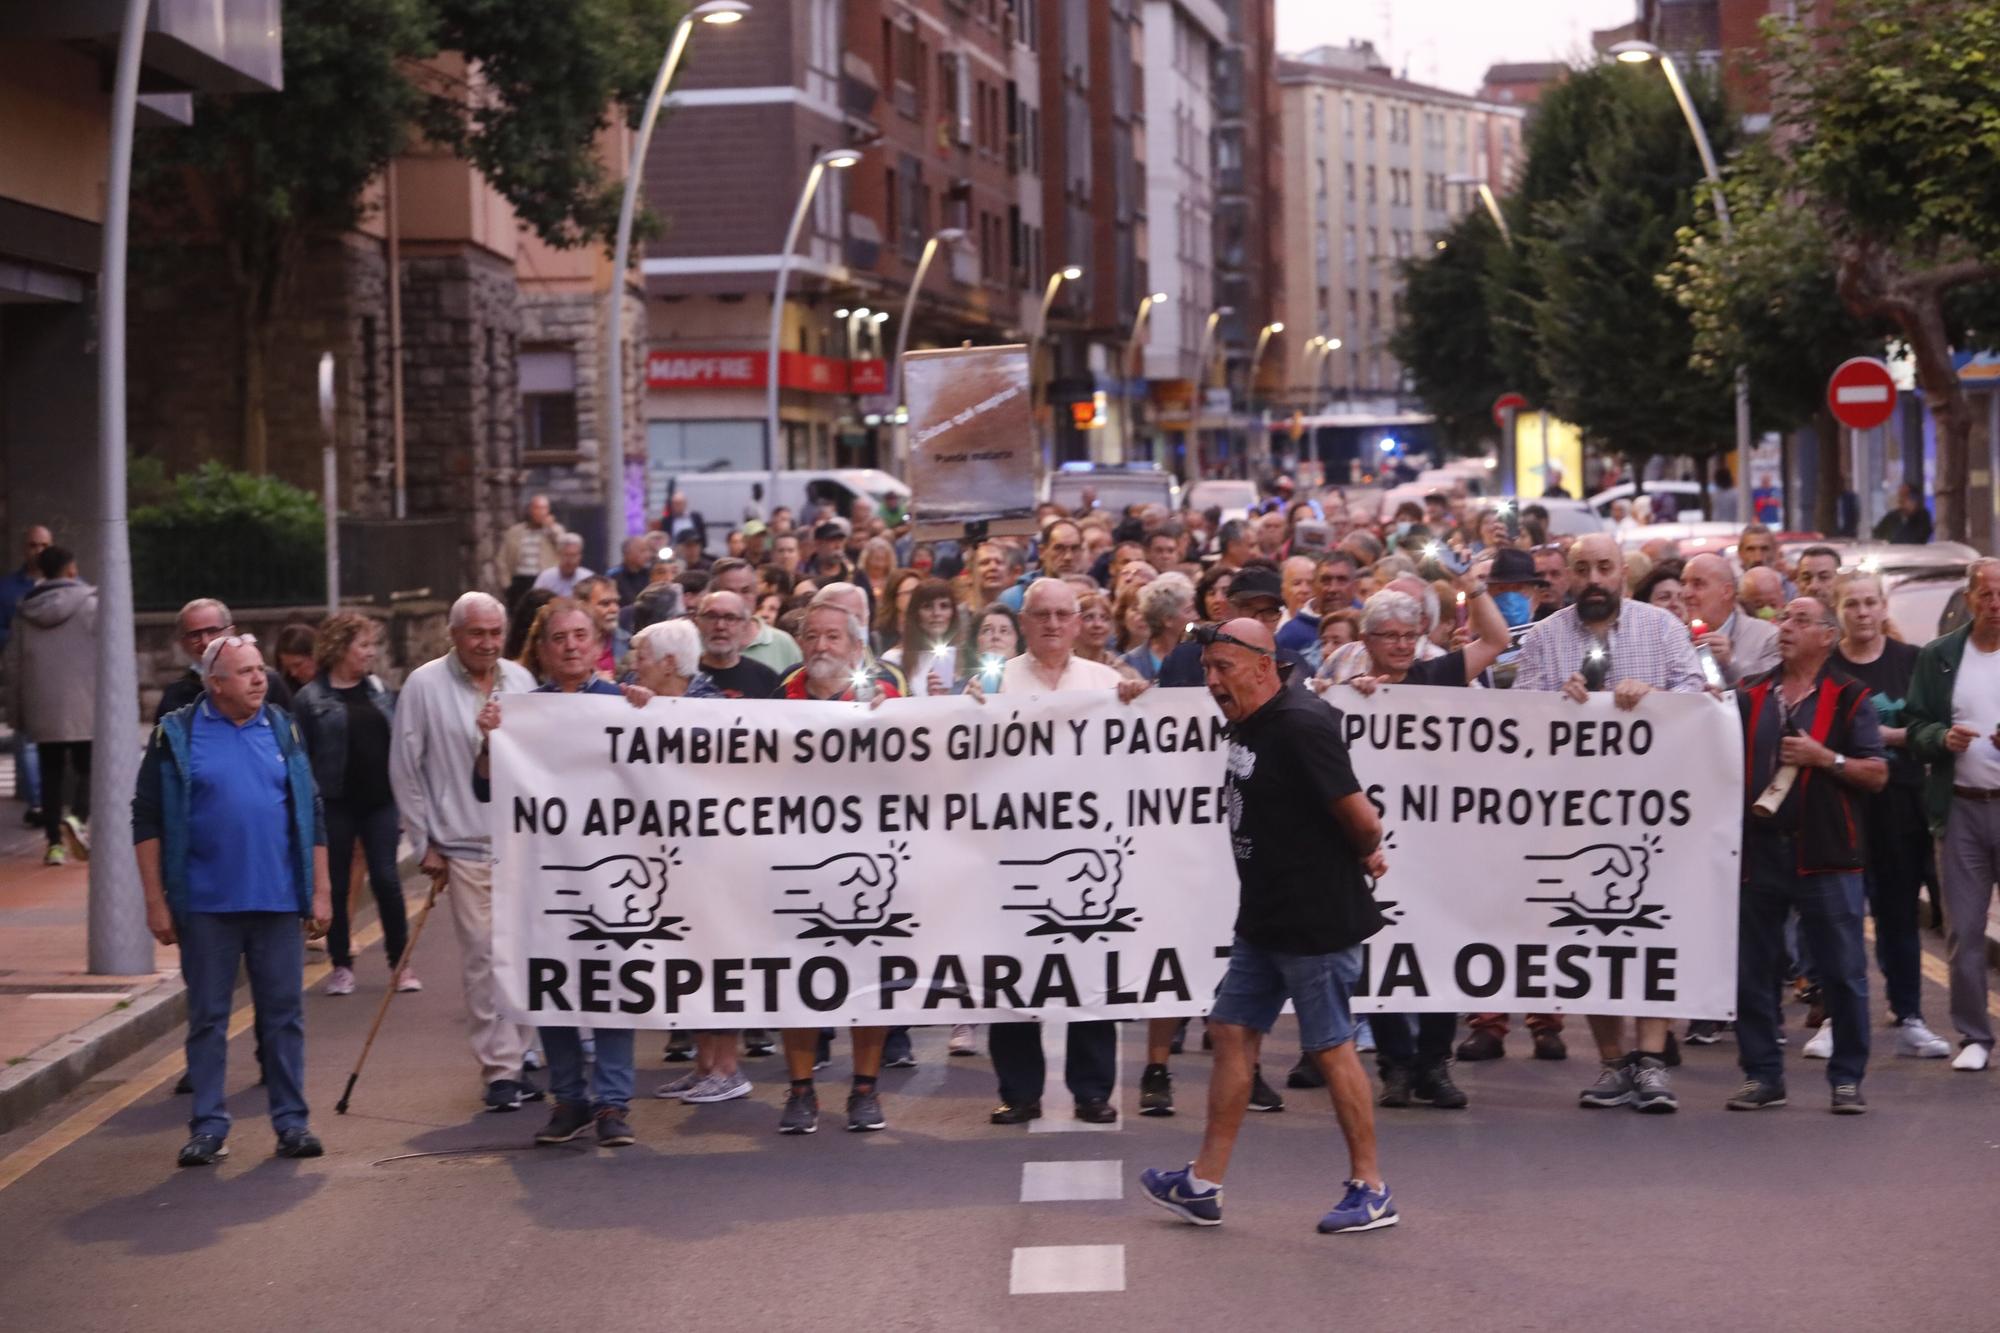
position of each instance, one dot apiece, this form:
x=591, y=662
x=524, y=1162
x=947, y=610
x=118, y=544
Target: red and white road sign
x=1862, y=393
x=1505, y=403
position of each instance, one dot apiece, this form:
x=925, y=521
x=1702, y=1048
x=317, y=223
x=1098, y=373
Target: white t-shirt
x=944, y=663
x=1975, y=703
x=554, y=580
x=1022, y=676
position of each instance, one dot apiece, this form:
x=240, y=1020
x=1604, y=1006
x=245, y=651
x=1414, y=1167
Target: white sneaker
x=1820, y=1045
x=408, y=981
x=1364, y=1036
x=1913, y=1038
x=963, y=1041
x=718, y=1088
x=1973, y=1057
x=340, y=981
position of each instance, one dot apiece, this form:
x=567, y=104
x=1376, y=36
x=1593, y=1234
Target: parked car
x=1116, y=486
x=726, y=498
x=1925, y=584
x=1686, y=497
x=1233, y=498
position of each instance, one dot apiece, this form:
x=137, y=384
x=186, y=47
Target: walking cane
x=409, y=951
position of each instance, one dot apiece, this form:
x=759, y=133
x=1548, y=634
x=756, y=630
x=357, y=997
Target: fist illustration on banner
x=852, y=887
x=1604, y=876
x=1080, y=884
x=623, y=900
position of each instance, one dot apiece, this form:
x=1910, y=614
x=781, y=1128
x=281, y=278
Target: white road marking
x=1063, y=1182
x=1046, y=1269
x=1058, y=1107
x=1861, y=393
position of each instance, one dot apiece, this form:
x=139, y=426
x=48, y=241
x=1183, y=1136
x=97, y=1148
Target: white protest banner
x=730, y=863
x=1551, y=857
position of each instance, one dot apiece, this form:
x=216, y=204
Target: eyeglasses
x=1049, y=617
x=203, y=633
x=719, y=618
x=1386, y=637
x=1208, y=635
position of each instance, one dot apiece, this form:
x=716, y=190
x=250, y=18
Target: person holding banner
x=1802, y=851
x=1306, y=840
x=568, y=643
x=834, y=638
x=1052, y=621
x=1600, y=638
x=1413, y=1052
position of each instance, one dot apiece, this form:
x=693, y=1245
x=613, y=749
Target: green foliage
x=249, y=540
x=1445, y=340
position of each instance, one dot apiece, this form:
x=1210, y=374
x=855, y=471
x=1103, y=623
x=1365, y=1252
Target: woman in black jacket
x=346, y=719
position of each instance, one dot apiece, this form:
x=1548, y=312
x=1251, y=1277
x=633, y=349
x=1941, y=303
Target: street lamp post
x=1638, y=53
x=612, y=449
x=834, y=159
x=1146, y=305
x=1250, y=389
x=1492, y=204
x=1204, y=356
x=948, y=236
x=1038, y=382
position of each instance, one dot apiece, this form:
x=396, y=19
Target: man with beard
x=1306, y=841
x=1601, y=639
x=724, y=622
x=835, y=642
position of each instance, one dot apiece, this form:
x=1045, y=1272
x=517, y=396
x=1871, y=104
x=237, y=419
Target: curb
x=54, y=1070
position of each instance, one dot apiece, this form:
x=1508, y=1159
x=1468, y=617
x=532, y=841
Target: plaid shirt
x=1646, y=643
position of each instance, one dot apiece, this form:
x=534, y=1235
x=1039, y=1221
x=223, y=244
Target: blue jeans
x=610, y=1074
x=1829, y=911
x=273, y=948
x=27, y=771
x=377, y=830
x=1259, y=981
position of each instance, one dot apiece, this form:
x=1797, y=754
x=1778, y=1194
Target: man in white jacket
x=431, y=755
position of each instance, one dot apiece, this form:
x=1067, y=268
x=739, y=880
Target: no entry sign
x=1505, y=403
x=1862, y=393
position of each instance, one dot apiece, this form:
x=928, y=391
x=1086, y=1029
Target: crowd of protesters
x=1896, y=743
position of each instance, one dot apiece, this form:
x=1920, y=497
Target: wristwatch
x=1840, y=763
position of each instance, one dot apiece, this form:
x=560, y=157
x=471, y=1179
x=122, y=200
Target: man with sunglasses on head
x=1306, y=841
x=200, y=623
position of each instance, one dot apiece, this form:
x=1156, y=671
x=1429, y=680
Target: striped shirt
x=1646, y=643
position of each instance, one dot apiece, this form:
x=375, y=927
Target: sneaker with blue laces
x=1171, y=1190
x=1360, y=1209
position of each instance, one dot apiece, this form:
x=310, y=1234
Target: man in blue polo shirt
x=231, y=847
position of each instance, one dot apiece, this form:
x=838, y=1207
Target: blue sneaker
x=1360, y=1209
x=1170, y=1190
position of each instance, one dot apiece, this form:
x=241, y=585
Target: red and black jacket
x=1822, y=814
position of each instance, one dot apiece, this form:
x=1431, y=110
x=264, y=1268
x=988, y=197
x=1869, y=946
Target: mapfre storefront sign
x=672, y=370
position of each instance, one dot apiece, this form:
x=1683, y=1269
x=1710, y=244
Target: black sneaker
x=1433, y=1087
x=202, y=1150
x=801, y=1113
x=1847, y=1099
x=1549, y=1045
x=530, y=1090
x=757, y=1041
x=184, y=1088
x=1156, y=1091
x=1395, y=1087
x=1650, y=1090
x=503, y=1094
x=1016, y=1113
x=568, y=1120
x=1094, y=1111
x=864, y=1112
x=1175, y=1046
x=1672, y=1056
x=680, y=1048
x=300, y=1142
x=897, y=1053
x=823, y=1052
x=1305, y=1074
x=1481, y=1045
x=1262, y=1096
x=1703, y=1032
x=613, y=1130
x=1756, y=1096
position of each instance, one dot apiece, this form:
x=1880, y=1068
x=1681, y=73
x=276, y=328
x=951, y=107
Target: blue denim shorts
x=1259, y=981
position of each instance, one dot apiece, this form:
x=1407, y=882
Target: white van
x=726, y=499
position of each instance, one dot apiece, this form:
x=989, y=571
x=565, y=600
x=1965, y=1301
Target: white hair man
x=568, y=570
x=1050, y=622
x=200, y=623
x=431, y=754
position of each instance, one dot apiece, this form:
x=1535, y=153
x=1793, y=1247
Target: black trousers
x=1088, y=1068
x=1429, y=1048
x=517, y=588
x=59, y=760
x=376, y=829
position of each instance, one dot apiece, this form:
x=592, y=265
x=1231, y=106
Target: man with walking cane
x=431, y=753
x=227, y=831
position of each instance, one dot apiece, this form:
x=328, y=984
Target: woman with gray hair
x=1167, y=604
x=666, y=659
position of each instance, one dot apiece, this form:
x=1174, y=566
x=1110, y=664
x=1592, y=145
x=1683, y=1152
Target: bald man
x=1742, y=645
x=1604, y=641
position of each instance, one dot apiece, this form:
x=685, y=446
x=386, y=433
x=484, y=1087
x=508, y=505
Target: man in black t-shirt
x=1306, y=838
x=724, y=622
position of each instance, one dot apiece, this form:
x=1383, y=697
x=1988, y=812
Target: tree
x=1891, y=120
x=1445, y=336
x=1766, y=299
x=1613, y=348
x=259, y=176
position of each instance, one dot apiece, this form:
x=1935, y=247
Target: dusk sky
x=1450, y=43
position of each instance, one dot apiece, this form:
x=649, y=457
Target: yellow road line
x=1935, y=969
x=85, y=1119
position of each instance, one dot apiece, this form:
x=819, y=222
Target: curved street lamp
x=1037, y=381
x=1264, y=336
x=1146, y=305
x=1640, y=53
x=833, y=159
x=944, y=237
x=720, y=13
x=1486, y=198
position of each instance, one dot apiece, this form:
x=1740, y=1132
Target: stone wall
x=576, y=320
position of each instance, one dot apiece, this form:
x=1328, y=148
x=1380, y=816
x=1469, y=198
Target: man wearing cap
x=1518, y=587
x=690, y=550
x=829, y=563
x=755, y=538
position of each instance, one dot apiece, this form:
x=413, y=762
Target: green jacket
x=1928, y=714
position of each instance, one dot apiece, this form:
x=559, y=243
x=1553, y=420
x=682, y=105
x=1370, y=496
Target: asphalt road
x=1521, y=1212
